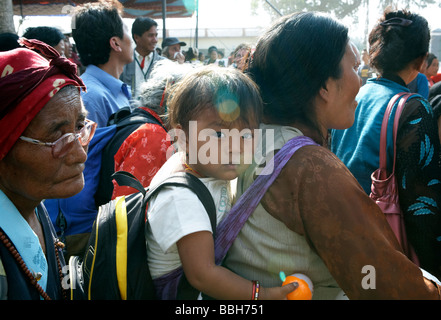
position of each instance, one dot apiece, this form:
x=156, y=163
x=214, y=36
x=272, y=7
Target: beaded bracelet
x=256, y=289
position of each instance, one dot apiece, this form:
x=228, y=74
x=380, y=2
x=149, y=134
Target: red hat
x=28, y=81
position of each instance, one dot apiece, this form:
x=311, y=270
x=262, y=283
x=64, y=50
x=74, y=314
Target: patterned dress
x=418, y=169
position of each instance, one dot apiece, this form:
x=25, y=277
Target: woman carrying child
x=215, y=111
x=315, y=218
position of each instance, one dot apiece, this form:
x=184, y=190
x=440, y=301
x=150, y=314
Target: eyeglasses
x=397, y=22
x=62, y=146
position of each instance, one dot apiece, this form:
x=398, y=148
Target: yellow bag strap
x=121, y=245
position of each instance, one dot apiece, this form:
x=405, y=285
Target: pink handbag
x=384, y=190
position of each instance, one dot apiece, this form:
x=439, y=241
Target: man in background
x=104, y=46
x=145, y=35
x=171, y=49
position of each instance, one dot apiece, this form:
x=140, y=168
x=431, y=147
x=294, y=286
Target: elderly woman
x=42, y=153
x=398, y=47
x=315, y=219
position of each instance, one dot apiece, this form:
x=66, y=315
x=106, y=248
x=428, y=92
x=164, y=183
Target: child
x=217, y=109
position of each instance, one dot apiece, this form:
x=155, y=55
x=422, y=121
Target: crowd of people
x=302, y=99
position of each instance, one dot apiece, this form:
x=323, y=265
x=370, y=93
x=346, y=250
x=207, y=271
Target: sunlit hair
x=231, y=93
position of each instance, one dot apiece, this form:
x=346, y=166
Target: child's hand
x=277, y=293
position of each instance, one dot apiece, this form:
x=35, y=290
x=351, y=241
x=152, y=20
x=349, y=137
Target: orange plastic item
x=303, y=292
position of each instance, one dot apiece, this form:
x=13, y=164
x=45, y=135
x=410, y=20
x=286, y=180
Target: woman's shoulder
x=315, y=169
x=317, y=159
x=416, y=102
x=314, y=182
x=418, y=112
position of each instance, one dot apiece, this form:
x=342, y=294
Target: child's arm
x=196, y=251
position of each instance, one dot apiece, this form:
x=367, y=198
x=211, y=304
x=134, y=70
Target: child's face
x=218, y=148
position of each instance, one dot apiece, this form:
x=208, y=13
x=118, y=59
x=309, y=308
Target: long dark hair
x=292, y=62
x=49, y=35
x=397, y=39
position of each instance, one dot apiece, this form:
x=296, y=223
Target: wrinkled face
x=147, y=42
x=340, y=97
x=29, y=172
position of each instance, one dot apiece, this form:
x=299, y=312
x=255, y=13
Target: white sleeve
x=174, y=213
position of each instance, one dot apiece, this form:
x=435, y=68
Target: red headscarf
x=28, y=81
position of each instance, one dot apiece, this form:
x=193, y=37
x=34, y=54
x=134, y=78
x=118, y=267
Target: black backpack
x=126, y=121
x=115, y=263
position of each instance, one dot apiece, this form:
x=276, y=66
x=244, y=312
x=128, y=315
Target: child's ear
x=181, y=137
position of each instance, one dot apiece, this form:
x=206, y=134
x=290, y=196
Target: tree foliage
x=339, y=8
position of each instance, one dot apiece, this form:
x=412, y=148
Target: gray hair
x=164, y=74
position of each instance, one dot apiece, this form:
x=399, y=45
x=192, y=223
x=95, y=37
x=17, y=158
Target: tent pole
x=164, y=16
x=197, y=24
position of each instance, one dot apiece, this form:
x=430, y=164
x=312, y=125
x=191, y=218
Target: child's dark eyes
x=220, y=134
x=245, y=136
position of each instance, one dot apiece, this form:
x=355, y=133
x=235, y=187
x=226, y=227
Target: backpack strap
x=181, y=287
x=230, y=226
x=126, y=122
x=188, y=180
x=124, y=178
x=183, y=179
x=126, y=116
x=117, y=116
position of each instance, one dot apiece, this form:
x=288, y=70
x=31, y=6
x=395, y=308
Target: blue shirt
x=105, y=94
x=359, y=146
x=420, y=85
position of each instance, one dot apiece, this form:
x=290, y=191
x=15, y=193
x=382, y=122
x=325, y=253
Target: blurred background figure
x=49, y=35
x=365, y=71
x=191, y=56
x=171, y=49
x=145, y=35
x=240, y=56
x=8, y=41
x=431, y=68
